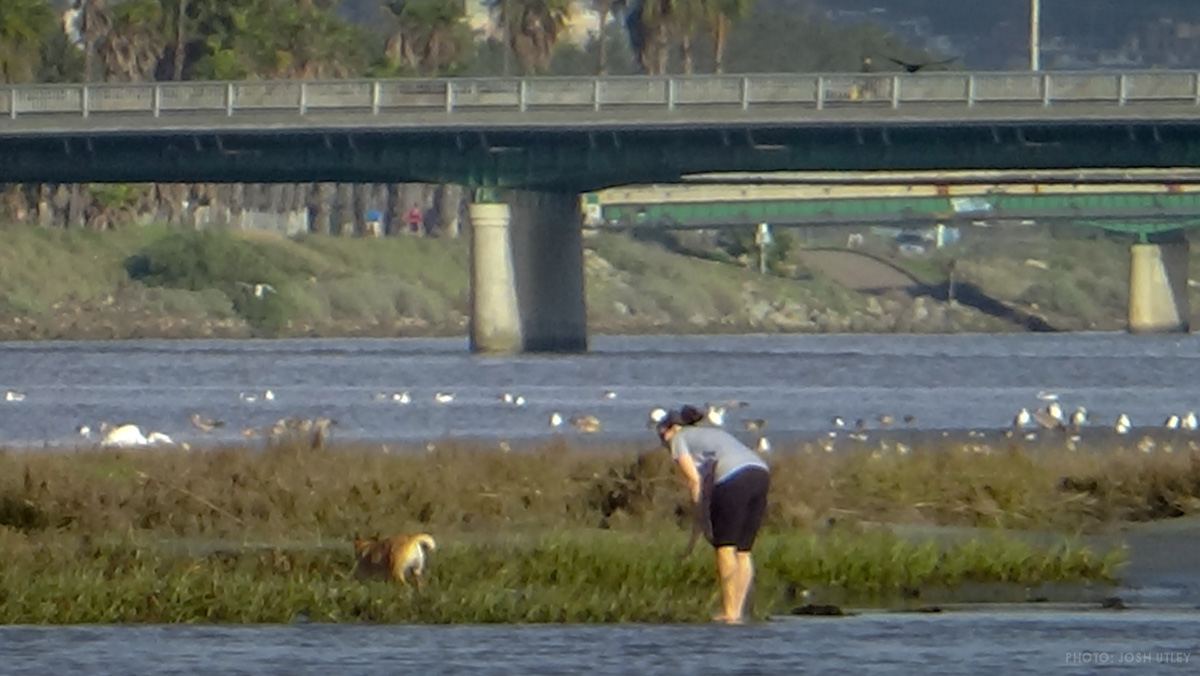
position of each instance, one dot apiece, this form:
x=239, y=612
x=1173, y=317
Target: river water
x=796, y=383
x=947, y=643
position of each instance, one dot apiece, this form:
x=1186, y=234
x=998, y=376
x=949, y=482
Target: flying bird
x=914, y=67
x=259, y=290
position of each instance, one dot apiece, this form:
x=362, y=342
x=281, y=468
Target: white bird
x=443, y=397
x=158, y=438
x=269, y=395
x=518, y=400
x=656, y=416
x=1172, y=422
x=13, y=395
x=84, y=431
x=123, y=435
x=1022, y=419
x=1123, y=424
x=1047, y=396
x=838, y=421
x=401, y=397
x=764, y=445
x=715, y=414
x=556, y=419
x=259, y=290
x=248, y=397
x=1079, y=417
x=1189, y=422
x=1049, y=417
x=586, y=423
x=507, y=397
x=609, y=394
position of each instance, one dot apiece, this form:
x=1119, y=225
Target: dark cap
x=672, y=419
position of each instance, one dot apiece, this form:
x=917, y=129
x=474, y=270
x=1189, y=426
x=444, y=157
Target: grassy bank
x=149, y=281
x=543, y=533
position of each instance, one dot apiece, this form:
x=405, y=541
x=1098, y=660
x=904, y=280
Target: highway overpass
x=545, y=140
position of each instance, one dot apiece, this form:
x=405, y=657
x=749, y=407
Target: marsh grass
x=597, y=576
x=548, y=532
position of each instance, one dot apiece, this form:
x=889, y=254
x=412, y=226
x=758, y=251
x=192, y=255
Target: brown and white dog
x=393, y=557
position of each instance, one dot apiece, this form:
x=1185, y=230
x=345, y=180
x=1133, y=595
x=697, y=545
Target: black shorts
x=737, y=509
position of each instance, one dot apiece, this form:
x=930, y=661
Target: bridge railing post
x=670, y=93
x=303, y=98
x=1196, y=86
x=1047, y=96
x=597, y=84
x=523, y=95
x=1122, y=89
x=229, y=99
x=12, y=102
x=85, y=100
x=745, y=93
x=449, y=96
x=971, y=85
x=156, y=100
x=376, y=95
x=820, y=93
x=895, y=91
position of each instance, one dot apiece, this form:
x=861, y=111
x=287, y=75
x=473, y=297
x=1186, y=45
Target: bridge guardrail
x=373, y=97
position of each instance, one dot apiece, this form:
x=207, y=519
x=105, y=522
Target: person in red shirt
x=414, y=218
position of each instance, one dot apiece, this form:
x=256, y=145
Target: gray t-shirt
x=711, y=443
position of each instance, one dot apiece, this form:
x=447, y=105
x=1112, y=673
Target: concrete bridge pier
x=527, y=290
x=1158, y=292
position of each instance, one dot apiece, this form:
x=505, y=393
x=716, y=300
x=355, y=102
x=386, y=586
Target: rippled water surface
x=948, y=643
x=796, y=382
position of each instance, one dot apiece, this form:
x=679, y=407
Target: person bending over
x=740, y=482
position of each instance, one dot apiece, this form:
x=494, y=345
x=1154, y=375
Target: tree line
x=141, y=40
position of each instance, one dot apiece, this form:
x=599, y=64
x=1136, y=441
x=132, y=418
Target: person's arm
x=688, y=466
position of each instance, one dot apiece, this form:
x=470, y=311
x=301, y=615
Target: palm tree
x=134, y=43
x=532, y=28
x=719, y=16
x=91, y=22
x=430, y=34
x=24, y=27
x=650, y=23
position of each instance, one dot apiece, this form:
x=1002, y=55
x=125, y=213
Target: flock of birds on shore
x=1048, y=416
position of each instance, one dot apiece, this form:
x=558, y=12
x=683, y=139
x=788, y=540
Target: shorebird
x=320, y=428
x=1047, y=396
x=755, y=425
x=656, y=415
x=1050, y=417
x=1189, y=422
x=518, y=400
x=443, y=397
x=838, y=421
x=1079, y=417
x=13, y=395
x=609, y=394
x=1022, y=419
x=586, y=423
x=123, y=435
x=885, y=420
x=556, y=419
x=249, y=432
x=507, y=397
x=205, y=424
x=1123, y=424
x=269, y=395
x=259, y=290
x=764, y=445
x=1172, y=422
x=401, y=397
x=251, y=397
x=910, y=419
x=715, y=414
x=84, y=431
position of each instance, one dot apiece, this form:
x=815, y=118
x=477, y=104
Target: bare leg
x=727, y=577
x=742, y=582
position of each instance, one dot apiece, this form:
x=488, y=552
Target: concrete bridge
x=544, y=140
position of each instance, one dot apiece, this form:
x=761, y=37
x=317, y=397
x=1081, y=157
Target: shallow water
x=795, y=382
x=947, y=643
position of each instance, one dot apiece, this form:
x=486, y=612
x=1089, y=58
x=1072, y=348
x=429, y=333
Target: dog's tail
x=425, y=540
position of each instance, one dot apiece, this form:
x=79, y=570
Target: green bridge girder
x=1149, y=212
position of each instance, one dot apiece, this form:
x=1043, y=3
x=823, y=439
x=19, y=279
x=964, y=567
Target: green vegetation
x=540, y=534
x=138, y=40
